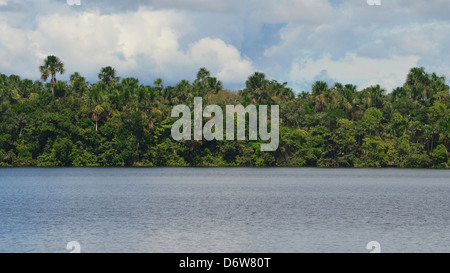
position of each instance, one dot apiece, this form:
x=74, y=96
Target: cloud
x=210, y=5
x=16, y=54
x=431, y=9
x=359, y=40
x=291, y=11
x=389, y=73
x=143, y=44
x=425, y=39
x=113, y=6
x=224, y=60
x=172, y=39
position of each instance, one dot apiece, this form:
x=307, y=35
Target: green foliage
x=440, y=156
x=374, y=153
x=121, y=122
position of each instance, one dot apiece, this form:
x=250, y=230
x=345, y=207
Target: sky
x=293, y=41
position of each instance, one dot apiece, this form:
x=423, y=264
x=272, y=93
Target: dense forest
x=121, y=122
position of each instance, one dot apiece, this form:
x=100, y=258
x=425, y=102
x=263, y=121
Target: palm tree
x=95, y=98
x=437, y=85
x=320, y=102
x=319, y=87
x=418, y=82
x=52, y=65
x=256, y=81
x=79, y=84
x=256, y=87
x=202, y=74
x=108, y=75
x=416, y=76
x=214, y=85
x=75, y=76
x=347, y=99
x=399, y=93
x=377, y=94
x=159, y=83
x=278, y=91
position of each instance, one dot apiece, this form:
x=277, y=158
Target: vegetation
x=120, y=122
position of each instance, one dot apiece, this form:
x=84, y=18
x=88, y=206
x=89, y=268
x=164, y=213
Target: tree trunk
x=52, y=83
x=432, y=143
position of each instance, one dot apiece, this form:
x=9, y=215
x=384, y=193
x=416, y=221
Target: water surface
x=224, y=210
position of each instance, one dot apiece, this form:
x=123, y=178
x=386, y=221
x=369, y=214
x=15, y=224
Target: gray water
x=224, y=210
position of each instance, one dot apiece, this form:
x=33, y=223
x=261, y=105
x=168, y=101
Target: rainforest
x=122, y=122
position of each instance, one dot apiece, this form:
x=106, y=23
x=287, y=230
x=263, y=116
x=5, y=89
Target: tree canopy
x=121, y=122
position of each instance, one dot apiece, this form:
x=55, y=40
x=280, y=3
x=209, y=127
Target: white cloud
x=389, y=73
x=224, y=60
x=143, y=44
x=363, y=45
x=424, y=39
x=172, y=39
x=291, y=37
x=15, y=54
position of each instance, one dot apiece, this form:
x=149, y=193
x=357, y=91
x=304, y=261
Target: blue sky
x=294, y=41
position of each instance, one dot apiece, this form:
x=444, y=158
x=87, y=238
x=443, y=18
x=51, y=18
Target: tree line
x=121, y=122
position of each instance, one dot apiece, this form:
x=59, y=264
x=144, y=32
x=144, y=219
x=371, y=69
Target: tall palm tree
x=256, y=81
x=418, y=82
x=108, y=75
x=95, y=98
x=202, y=74
x=52, y=65
x=377, y=95
x=417, y=77
x=256, y=87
